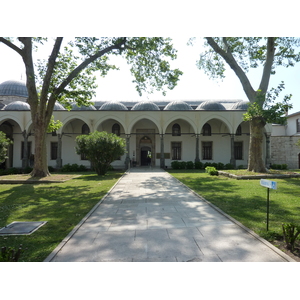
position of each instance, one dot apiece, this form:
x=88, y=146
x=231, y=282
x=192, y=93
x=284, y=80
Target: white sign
x=268, y=184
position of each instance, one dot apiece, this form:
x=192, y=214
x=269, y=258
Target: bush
x=199, y=165
x=189, y=165
x=220, y=166
x=228, y=167
x=73, y=168
x=175, y=165
x=290, y=234
x=211, y=170
x=182, y=165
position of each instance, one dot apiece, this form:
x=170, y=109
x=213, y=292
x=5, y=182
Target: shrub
x=175, y=165
x=290, y=234
x=228, y=167
x=182, y=165
x=220, y=166
x=211, y=170
x=198, y=165
x=189, y=165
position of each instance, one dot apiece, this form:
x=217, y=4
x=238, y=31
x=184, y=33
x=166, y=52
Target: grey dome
x=145, y=105
x=13, y=88
x=112, y=105
x=241, y=105
x=58, y=106
x=178, y=105
x=211, y=105
x=76, y=107
x=17, y=105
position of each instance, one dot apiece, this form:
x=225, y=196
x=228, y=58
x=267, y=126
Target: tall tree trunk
x=40, y=168
x=256, y=162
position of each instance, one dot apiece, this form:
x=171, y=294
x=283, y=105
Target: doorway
x=145, y=156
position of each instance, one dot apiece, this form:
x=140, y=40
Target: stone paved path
x=149, y=216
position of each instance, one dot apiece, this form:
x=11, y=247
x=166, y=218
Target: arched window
x=176, y=131
x=116, y=129
x=206, y=129
x=85, y=129
x=239, y=130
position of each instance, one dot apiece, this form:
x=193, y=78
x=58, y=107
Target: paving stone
x=149, y=217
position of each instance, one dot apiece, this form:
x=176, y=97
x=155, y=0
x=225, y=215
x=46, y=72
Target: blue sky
x=193, y=85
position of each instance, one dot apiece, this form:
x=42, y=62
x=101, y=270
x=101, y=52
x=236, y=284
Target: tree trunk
x=256, y=163
x=40, y=168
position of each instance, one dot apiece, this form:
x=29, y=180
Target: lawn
x=245, y=200
x=62, y=205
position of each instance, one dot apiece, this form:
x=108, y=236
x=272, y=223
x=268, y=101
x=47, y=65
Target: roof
x=13, y=88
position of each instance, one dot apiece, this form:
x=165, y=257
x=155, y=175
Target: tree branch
x=268, y=65
x=11, y=45
x=230, y=60
x=50, y=67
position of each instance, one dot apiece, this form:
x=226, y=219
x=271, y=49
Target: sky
x=194, y=84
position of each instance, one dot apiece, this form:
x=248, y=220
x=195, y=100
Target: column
x=127, y=159
x=162, y=152
x=232, y=159
x=25, y=150
x=197, y=159
x=59, y=151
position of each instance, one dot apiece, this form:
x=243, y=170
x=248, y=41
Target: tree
x=67, y=75
x=101, y=149
x=4, y=144
x=241, y=54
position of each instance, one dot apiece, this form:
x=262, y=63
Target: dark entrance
x=145, y=156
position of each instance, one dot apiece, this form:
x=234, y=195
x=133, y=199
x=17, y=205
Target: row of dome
x=141, y=106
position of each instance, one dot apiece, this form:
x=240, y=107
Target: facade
x=156, y=132
x=284, y=148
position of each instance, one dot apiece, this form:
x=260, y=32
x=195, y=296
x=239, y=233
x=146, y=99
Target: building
x=165, y=131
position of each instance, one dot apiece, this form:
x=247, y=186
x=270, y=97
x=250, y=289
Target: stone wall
x=285, y=151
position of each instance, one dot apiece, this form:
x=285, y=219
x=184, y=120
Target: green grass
x=245, y=200
x=62, y=205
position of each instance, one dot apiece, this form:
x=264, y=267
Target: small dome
x=145, y=105
x=76, y=107
x=178, y=105
x=241, y=105
x=58, y=106
x=17, y=105
x=13, y=88
x=211, y=105
x=112, y=105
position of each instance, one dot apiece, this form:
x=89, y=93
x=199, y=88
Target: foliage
x=10, y=255
x=190, y=165
x=73, y=168
x=211, y=171
x=290, y=233
x=101, y=148
x=4, y=144
x=175, y=165
x=199, y=165
x=266, y=107
x=54, y=125
x=279, y=166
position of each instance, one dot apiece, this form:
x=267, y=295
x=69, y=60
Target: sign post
x=270, y=185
